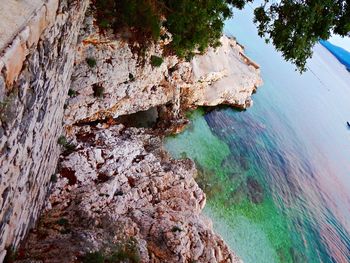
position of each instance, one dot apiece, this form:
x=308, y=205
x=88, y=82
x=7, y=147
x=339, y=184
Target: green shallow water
x=235, y=216
x=277, y=176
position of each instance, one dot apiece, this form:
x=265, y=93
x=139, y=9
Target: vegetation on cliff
x=293, y=26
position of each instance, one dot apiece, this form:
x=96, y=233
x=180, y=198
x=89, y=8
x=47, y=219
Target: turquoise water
x=277, y=176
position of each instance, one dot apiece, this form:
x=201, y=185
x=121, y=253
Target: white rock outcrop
x=130, y=83
x=223, y=76
x=119, y=187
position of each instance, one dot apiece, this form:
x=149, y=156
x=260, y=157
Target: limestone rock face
x=127, y=81
x=119, y=185
x=35, y=72
x=223, y=76
x=130, y=83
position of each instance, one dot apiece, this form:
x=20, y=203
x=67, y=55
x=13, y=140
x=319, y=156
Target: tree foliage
x=195, y=25
x=293, y=26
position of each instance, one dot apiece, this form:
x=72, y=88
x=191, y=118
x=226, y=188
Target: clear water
x=277, y=176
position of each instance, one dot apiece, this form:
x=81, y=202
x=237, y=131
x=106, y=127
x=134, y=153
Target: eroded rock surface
x=130, y=83
x=120, y=185
x=35, y=71
x=127, y=81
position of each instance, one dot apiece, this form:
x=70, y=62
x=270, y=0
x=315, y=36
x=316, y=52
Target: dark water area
x=277, y=176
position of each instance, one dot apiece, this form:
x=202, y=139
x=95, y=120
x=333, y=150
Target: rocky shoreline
x=116, y=193
x=118, y=186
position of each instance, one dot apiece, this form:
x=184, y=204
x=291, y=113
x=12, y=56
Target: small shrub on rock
x=62, y=140
x=91, y=62
x=72, y=93
x=93, y=257
x=62, y=222
x=68, y=147
x=11, y=255
x=53, y=178
x=156, y=61
x=98, y=90
x=126, y=251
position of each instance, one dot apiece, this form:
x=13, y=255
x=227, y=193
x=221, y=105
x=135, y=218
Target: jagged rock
x=36, y=62
x=125, y=187
x=132, y=84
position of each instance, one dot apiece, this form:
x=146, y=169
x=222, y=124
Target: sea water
x=277, y=176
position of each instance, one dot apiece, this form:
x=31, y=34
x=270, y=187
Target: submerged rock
x=244, y=162
x=126, y=188
x=255, y=190
x=229, y=162
x=238, y=195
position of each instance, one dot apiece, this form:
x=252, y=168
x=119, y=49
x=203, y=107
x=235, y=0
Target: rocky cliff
x=129, y=83
x=117, y=193
x=35, y=71
x=118, y=189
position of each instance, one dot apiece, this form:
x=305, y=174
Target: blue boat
x=340, y=53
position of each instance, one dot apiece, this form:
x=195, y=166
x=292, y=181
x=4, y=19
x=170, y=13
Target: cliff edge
x=127, y=82
x=104, y=189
